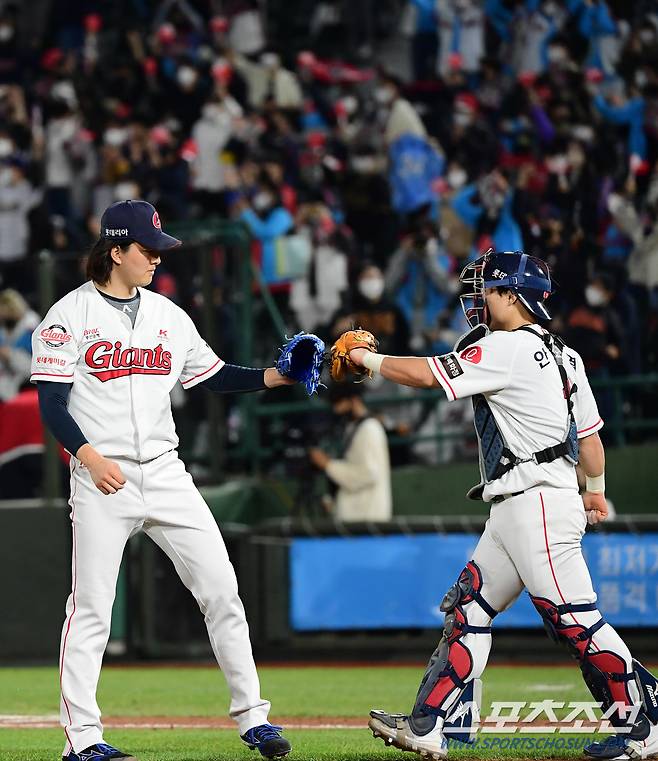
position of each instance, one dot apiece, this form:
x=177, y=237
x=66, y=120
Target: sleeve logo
x=55, y=336
x=472, y=354
x=451, y=365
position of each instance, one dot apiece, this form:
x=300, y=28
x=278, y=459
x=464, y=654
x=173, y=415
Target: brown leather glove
x=341, y=364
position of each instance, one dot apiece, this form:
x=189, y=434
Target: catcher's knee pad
x=647, y=685
x=451, y=664
x=605, y=672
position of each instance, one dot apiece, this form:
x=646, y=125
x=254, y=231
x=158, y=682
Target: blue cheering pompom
x=301, y=359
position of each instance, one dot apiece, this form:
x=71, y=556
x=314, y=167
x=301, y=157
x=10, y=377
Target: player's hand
x=106, y=474
x=357, y=355
x=595, y=506
x=273, y=378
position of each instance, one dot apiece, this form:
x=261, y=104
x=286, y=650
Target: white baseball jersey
x=121, y=375
x=521, y=382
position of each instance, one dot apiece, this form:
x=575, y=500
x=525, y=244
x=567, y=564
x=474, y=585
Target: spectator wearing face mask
x=17, y=323
x=60, y=173
x=642, y=229
x=400, y=117
x=373, y=310
x=267, y=220
x=316, y=296
x=595, y=329
x=211, y=132
x=269, y=80
x=17, y=199
x=419, y=278
x=488, y=208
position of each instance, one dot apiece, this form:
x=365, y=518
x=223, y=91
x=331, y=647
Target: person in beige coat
x=362, y=474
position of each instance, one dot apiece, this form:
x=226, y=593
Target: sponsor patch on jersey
x=91, y=334
x=451, y=365
x=473, y=354
x=55, y=336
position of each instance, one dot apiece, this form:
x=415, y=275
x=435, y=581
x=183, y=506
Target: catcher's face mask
x=473, y=301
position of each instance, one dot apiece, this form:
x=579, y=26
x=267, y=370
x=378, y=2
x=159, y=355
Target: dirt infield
x=51, y=721
x=185, y=722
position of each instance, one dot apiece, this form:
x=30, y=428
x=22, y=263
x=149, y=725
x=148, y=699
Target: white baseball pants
x=532, y=541
x=159, y=498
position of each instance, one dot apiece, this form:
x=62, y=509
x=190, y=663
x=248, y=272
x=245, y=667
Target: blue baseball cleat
x=268, y=740
x=98, y=752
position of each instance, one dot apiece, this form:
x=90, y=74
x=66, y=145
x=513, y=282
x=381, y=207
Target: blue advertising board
x=397, y=582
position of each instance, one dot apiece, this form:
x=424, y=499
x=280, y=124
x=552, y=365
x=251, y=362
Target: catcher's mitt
x=341, y=364
x=301, y=359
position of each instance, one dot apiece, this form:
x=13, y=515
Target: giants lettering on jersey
x=111, y=361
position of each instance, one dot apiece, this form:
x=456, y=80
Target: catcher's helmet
x=526, y=275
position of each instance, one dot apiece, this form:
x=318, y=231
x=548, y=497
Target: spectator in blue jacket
x=487, y=208
x=425, y=39
x=631, y=114
x=267, y=220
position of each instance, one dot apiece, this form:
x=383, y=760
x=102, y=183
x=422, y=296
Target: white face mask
x=384, y=95
x=457, y=178
x=350, y=104
x=114, y=136
x=462, y=119
x=594, y=296
x=6, y=146
x=124, y=191
x=261, y=201
x=371, y=288
x=6, y=32
x=641, y=78
x=557, y=55
x=186, y=76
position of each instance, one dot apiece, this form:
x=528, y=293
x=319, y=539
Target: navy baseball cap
x=138, y=221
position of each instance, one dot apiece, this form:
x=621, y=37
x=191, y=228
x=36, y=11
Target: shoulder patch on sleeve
x=451, y=365
x=472, y=354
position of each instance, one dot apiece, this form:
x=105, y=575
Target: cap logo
x=114, y=232
x=156, y=220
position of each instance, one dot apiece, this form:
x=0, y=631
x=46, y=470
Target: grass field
x=333, y=695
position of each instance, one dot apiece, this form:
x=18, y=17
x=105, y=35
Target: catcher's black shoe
x=268, y=740
x=98, y=752
x=625, y=746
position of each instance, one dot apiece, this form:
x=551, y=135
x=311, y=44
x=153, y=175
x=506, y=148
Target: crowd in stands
x=367, y=170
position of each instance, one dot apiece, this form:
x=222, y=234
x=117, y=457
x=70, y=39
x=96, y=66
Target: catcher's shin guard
x=451, y=666
x=605, y=672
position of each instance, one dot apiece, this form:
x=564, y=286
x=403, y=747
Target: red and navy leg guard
x=604, y=672
x=451, y=663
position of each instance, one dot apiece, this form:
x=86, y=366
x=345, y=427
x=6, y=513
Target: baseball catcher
x=536, y=419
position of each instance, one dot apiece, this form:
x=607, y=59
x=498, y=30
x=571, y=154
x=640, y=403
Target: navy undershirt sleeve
x=53, y=400
x=233, y=378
